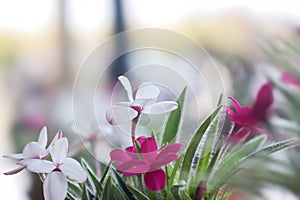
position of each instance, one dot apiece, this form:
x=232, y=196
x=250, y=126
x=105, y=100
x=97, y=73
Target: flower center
x=137, y=108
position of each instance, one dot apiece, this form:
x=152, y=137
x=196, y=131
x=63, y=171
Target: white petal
x=41, y=166
x=59, y=151
x=55, y=186
x=147, y=91
x=143, y=102
x=56, y=137
x=127, y=86
x=26, y=161
x=33, y=150
x=72, y=169
x=16, y=156
x=160, y=107
x=120, y=114
x=42, y=141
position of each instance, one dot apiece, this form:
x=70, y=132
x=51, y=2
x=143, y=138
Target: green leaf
x=123, y=186
x=138, y=194
x=174, y=119
x=193, y=145
x=92, y=182
x=117, y=193
x=105, y=173
x=74, y=190
x=110, y=192
x=209, y=143
x=174, y=172
x=231, y=160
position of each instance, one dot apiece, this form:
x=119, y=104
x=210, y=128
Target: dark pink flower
x=247, y=118
x=146, y=159
x=290, y=79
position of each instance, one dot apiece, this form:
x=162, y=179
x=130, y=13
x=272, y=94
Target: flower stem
x=141, y=183
x=133, y=128
x=159, y=195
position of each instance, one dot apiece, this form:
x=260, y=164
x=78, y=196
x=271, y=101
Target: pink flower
x=145, y=102
x=247, y=118
x=55, y=185
x=290, y=79
x=148, y=159
x=33, y=151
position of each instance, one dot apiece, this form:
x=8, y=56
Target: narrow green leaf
x=185, y=196
x=138, y=194
x=174, y=172
x=117, y=193
x=123, y=186
x=174, y=119
x=193, y=145
x=94, y=185
x=231, y=160
x=220, y=99
x=107, y=192
x=74, y=190
x=105, y=173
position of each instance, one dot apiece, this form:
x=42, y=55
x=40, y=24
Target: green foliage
x=174, y=119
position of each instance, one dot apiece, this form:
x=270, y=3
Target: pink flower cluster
x=145, y=158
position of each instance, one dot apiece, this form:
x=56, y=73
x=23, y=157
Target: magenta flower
x=247, y=118
x=290, y=79
x=147, y=160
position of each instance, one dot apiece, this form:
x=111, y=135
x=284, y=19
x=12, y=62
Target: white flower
x=145, y=102
x=55, y=185
x=33, y=151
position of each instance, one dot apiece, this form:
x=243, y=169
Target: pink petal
x=147, y=91
x=16, y=156
x=59, y=151
x=263, y=100
x=236, y=104
x=289, y=78
x=33, y=150
x=133, y=166
x=40, y=166
x=127, y=86
x=149, y=145
x=15, y=171
x=55, y=186
x=42, y=141
x=160, y=108
x=119, y=155
x=261, y=130
x=172, y=148
x=162, y=161
x=120, y=114
x=72, y=169
x=155, y=180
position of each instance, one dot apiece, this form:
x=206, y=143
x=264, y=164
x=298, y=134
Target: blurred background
x=44, y=43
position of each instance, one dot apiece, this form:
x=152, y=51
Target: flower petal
x=155, y=180
x=55, y=186
x=120, y=114
x=289, y=78
x=15, y=171
x=149, y=145
x=160, y=108
x=42, y=141
x=72, y=169
x=59, y=151
x=263, y=101
x=40, y=166
x=32, y=150
x=133, y=166
x=119, y=155
x=16, y=156
x=127, y=86
x=236, y=104
x=172, y=148
x=147, y=91
x=162, y=161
